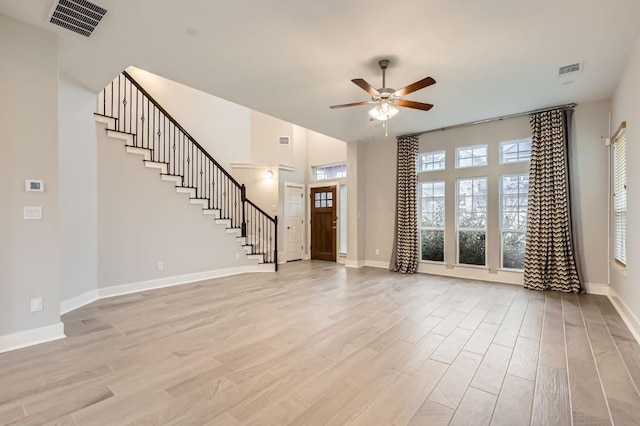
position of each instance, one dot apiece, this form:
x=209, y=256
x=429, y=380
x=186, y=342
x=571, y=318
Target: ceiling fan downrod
x=384, y=63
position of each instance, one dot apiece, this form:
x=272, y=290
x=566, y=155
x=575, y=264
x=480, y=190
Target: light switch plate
x=36, y=305
x=32, y=212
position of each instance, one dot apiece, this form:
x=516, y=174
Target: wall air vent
x=569, y=69
x=284, y=140
x=79, y=16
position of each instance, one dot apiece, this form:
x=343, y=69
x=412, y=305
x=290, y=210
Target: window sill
x=462, y=265
x=431, y=262
x=619, y=268
x=517, y=271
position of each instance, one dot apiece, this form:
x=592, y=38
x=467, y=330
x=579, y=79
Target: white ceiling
x=293, y=58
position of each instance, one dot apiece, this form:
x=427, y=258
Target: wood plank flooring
x=318, y=344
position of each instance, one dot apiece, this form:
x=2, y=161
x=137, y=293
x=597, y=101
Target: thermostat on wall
x=32, y=185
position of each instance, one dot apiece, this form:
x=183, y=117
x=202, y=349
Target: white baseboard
x=597, y=289
x=354, y=263
x=78, y=301
x=119, y=290
x=626, y=314
x=35, y=336
x=377, y=264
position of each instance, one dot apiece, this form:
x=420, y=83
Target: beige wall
x=626, y=107
x=590, y=177
x=358, y=235
x=29, y=249
x=220, y=126
x=265, y=148
x=325, y=150
x=78, y=157
x=588, y=167
x=143, y=221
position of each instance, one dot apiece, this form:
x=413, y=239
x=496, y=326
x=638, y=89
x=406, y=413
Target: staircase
x=134, y=116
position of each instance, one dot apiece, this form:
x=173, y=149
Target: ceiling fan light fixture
x=383, y=111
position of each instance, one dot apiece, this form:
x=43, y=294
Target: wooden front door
x=323, y=223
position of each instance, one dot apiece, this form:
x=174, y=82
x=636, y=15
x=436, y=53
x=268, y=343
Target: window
x=330, y=172
x=432, y=221
x=620, y=194
x=514, y=198
x=324, y=199
x=471, y=202
x=431, y=161
x=343, y=218
x=515, y=151
x=471, y=156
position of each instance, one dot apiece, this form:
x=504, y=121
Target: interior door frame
x=305, y=252
x=320, y=184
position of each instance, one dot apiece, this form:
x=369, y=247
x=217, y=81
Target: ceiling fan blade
x=366, y=87
x=425, y=82
x=414, y=105
x=352, y=104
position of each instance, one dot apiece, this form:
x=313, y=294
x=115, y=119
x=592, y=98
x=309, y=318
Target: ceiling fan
x=385, y=99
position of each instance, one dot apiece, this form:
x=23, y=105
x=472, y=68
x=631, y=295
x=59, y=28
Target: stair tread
x=104, y=115
x=124, y=133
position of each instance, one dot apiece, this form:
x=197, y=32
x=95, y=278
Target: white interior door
x=294, y=221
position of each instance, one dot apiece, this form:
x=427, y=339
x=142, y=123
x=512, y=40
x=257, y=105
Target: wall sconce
x=269, y=174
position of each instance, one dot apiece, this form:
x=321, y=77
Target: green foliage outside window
x=432, y=245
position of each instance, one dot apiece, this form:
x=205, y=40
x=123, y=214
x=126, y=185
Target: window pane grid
x=515, y=151
x=471, y=201
x=471, y=156
x=431, y=161
x=514, y=198
x=330, y=172
x=620, y=198
x=432, y=220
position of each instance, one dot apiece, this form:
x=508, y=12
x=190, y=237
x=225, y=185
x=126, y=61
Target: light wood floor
x=317, y=343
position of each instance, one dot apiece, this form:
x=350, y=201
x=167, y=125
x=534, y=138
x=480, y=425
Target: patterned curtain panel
x=549, y=261
x=405, y=247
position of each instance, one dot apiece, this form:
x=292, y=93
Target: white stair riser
x=236, y=231
x=212, y=212
x=120, y=136
x=139, y=151
x=203, y=203
x=177, y=180
x=183, y=190
x=225, y=222
x=110, y=122
x=153, y=165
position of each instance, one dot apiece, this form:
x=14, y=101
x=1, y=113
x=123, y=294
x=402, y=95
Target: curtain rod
x=488, y=120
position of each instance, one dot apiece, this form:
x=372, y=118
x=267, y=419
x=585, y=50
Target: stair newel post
x=275, y=249
x=243, y=198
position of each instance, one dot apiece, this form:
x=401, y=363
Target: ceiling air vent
x=569, y=69
x=79, y=16
x=284, y=140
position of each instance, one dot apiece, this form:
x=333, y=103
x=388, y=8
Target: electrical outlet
x=237, y=256
x=36, y=304
x=160, y=266
x=377, y=251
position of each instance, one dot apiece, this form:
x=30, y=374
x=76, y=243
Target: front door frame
x=320, y=184
x=303, y=227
